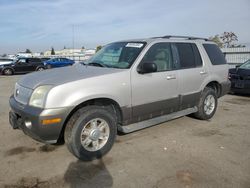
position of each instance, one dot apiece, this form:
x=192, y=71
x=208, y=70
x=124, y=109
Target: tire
x=39, y=69
x=81, y=138
x=8, y=71
x=206, y=112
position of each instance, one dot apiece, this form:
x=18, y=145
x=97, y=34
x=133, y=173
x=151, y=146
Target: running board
x=154, y=121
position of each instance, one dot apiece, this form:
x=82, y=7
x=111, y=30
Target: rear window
x=214, y=53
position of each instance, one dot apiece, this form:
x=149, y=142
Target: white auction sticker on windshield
x=134, y=45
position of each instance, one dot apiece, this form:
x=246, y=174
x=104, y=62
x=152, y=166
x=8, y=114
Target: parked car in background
x=5, y=61
x=22, y=65
x=45, y=59
x=240, y=78
x=58, y=62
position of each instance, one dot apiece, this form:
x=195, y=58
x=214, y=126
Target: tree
x=98, y=48
x=83, y=47
x=53, y=51
x=217, y=40
x=4, y=55
x=28, y=51
x=228, y=39
x=64, y=47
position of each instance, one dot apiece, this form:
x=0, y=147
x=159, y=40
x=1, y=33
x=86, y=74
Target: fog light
x=28, y=124
x=51, y=121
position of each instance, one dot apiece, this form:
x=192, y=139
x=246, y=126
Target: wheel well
x=8, y=68
x=112, y=105
x=215, y=86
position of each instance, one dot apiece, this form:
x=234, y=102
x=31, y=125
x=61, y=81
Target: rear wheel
x=90, y=132
x=207, y=104
x=40, y=69
x=7, y=71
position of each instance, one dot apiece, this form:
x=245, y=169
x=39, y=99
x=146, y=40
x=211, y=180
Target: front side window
x=161, y=55
x=117, y=55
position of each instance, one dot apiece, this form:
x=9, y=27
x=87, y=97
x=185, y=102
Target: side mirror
x=147, y=68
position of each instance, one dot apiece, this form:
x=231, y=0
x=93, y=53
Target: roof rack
x=184, y=37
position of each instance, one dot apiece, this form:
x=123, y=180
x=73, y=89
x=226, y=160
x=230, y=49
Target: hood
x=63, y=75
x=6, y=63
x=240, y=71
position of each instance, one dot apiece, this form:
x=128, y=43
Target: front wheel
x=207, y=105
x=90, y=132
x=8, y=71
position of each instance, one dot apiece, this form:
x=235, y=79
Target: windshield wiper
x=97, y=64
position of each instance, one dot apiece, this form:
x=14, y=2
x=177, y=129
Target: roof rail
x=184, y=37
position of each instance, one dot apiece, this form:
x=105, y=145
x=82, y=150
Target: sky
x=40, y=24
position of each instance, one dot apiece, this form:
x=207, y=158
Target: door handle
x=203, y=72
x=171, y=77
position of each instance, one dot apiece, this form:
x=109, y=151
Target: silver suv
x=126, y=86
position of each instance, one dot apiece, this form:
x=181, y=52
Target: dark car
x=240, y=78
x=58, y=62
x=22, y=65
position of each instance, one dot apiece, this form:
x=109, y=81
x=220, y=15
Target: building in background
x=236, y=56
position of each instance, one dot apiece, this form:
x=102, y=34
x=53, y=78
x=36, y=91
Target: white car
x=4, y=61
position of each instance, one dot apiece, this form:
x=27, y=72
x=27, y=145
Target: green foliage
x=53, y=51
x=217, y=40
x=27, y=51
x=98, y=48
x=226, y=40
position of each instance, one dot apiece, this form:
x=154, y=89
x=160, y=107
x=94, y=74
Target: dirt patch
x=28, y=183
x=19, y=150
x=207, y=133
x=238, y=101
x=35, y=182
x=185, y=177
x=47, y=148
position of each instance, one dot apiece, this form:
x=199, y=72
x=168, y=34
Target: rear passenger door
x=155, y=94
x=192, y=73
x=34, y=63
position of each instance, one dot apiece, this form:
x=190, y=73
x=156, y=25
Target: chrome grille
x=22, y=94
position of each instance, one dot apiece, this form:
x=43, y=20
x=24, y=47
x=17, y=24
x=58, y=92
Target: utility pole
x=73, y=40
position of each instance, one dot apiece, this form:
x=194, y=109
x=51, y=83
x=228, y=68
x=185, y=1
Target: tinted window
x=161, y=55
x=186, y=55
x=214, y=53
x=34, y=60
x=197, y=56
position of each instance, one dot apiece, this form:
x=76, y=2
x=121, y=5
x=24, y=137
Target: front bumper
x=29, y=119
x=240, y=86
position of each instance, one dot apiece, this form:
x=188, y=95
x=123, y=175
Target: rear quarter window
x=215, y=55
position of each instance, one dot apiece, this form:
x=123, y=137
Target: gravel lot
x=181, y=153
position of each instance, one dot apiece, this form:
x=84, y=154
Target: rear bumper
x=29, y=119
x=225, y=88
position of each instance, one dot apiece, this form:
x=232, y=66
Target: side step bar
x=148, y=123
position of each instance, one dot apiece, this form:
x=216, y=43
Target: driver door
x=22, y=66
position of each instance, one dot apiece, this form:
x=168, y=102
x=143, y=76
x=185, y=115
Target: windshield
x=246, y=65
x=117, y=55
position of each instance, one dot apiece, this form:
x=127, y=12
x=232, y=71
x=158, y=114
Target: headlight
x=39, y=95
